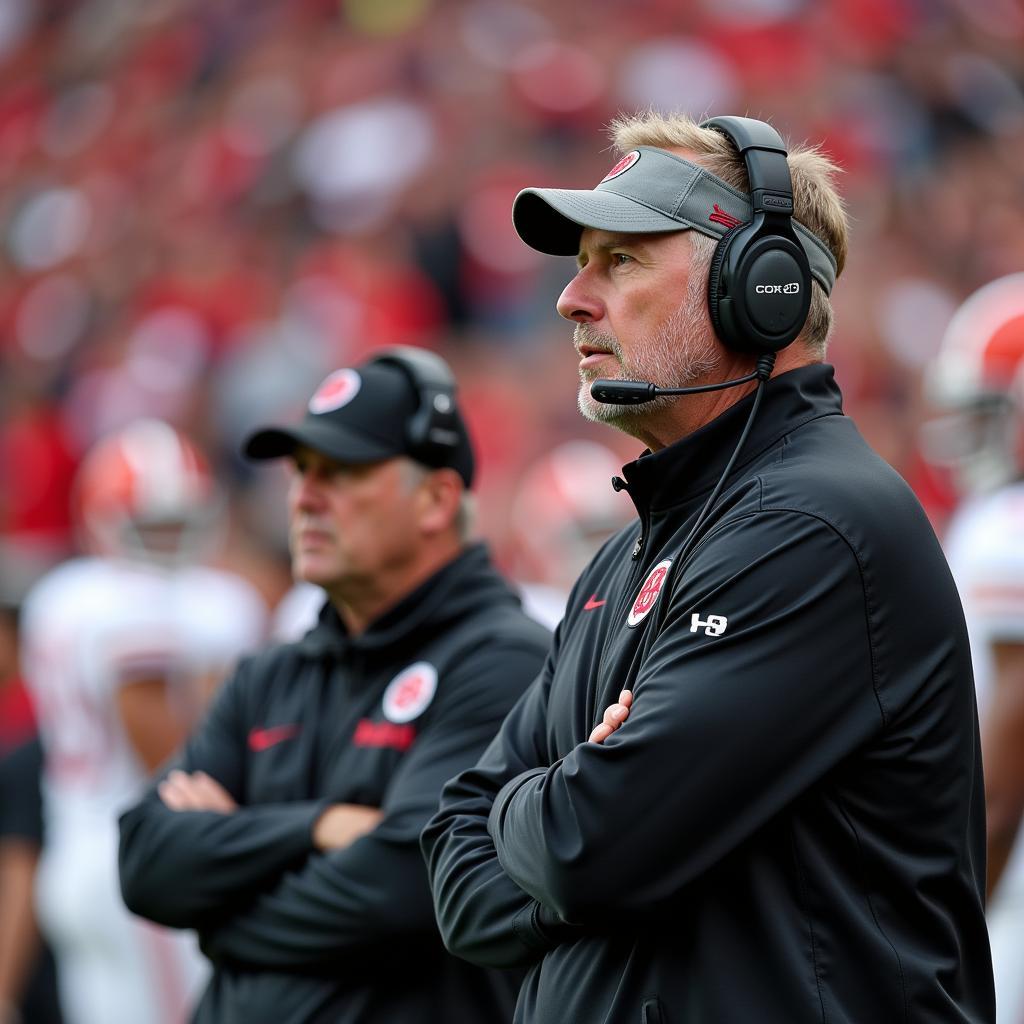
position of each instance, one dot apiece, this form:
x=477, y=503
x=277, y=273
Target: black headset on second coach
x=434, y=431
x=759, y=284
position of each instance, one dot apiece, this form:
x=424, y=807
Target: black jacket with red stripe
x=789, y=826
x=382, y=719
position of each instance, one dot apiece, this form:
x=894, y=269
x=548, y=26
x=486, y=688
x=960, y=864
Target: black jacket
x=296, y=935
x=790, y=825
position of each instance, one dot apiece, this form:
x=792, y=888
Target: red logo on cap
x=622, y=166
x=719, y=216
x=649, y=593
x=337, y=390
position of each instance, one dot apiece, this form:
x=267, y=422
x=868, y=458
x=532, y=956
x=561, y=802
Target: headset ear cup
x=714, y=282
x=434, y=384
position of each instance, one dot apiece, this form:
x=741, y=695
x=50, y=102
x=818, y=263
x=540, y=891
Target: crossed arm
x=374, y=891
x=528, y=847
x=295, y=885
x=338, y=826
x=193, y=849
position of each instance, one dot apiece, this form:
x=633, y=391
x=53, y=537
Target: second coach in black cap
x=401, y=402
x=322, y=760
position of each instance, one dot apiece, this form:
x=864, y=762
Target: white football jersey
x=543, y=603
x=89, y=626
x=985, y=548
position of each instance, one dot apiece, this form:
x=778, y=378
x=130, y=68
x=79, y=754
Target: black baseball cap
x=362, y=414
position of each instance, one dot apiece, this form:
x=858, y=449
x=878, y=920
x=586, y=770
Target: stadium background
x=205, y=206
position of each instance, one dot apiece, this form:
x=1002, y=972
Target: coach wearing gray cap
x=747, y=787
x=286, y=832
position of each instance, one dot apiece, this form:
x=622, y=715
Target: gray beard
x=680, y=354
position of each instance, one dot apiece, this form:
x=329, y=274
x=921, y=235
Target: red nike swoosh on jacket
x=262, y=739
x=593, y=603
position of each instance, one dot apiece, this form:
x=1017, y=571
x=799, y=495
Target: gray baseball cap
x=647, y=191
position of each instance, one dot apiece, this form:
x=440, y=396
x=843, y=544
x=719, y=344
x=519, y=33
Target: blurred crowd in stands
x=206, y=206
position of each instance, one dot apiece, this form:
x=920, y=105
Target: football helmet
x=976, y=383
x=146, y=492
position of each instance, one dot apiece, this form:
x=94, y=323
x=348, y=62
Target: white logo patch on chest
x=649, y=593
x=410, y=692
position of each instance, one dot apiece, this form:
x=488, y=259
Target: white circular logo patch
x=622, y=166
x=649, y=593
x=409, y=693
x=337, y=390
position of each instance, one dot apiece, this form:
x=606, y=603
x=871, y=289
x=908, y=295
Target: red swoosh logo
x=263, y=739
x=593, y=603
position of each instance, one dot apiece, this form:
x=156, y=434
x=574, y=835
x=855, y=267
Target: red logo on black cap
x=337, y=390
x=622, y=166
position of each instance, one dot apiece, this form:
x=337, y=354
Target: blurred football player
x=119, y=648
x=977, y=381
x=28, y=984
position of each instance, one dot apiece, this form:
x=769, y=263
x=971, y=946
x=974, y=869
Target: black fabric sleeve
x=729, y=724
x=375, y=891
x=483, y=915
x=21, y=812
x=179, y=868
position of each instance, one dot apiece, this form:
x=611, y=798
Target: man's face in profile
x=640, y=314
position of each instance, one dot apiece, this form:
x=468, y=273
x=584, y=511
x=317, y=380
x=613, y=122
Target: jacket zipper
x=626, y=600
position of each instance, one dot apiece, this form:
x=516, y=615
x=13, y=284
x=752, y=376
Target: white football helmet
x=146, y=492
x=977, y=383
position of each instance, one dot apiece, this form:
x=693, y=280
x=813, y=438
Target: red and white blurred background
x=205, y=205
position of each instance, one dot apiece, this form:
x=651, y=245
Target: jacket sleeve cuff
x=310, y=815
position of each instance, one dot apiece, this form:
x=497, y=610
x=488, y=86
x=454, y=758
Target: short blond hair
x=817, y=203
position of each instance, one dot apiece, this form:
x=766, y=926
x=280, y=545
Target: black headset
x=759, y=285
x=433, y=432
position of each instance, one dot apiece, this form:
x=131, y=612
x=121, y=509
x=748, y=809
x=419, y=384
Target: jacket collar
x=690, y=467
